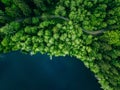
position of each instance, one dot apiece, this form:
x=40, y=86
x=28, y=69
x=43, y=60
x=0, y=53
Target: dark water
x=25, y=72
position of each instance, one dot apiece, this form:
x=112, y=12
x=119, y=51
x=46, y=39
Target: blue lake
x=24, y=72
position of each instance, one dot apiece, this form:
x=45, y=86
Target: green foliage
x=5, y=41
x=113, y=37
x=17, y=36
x=35, y=20
x=6, y=2
x=30, y=30
x=10, y=28
x=2, y=17
x=60, y=11
x=86, y=29
x=40, y=4
x=23, y=7
x=12, y=11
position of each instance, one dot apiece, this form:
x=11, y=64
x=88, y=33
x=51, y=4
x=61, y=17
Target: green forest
x=86, y=29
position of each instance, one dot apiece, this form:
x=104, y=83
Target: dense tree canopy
x=86, y=29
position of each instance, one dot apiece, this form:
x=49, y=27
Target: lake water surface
x=24, y=72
